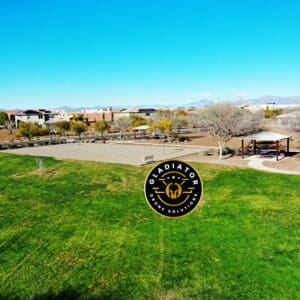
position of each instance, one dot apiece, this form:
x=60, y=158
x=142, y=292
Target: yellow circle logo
x=173, y=188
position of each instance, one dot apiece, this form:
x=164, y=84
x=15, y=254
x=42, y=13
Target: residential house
x=144, y=112
x=92, y=116
x=40, y=116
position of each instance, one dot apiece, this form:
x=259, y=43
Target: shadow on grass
x=73, y=294
x=66, y=294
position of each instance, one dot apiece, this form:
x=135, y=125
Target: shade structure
x=267, y=136
x=142, y=127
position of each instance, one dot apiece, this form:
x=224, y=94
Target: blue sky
x=93, y=52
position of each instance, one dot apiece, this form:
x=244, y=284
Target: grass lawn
x=84, y=230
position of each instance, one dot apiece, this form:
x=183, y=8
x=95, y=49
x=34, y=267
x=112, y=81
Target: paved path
x=257, y=163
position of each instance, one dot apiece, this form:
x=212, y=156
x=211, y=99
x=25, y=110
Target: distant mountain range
x=272, y=99
x=198, y=103
x=193, y=103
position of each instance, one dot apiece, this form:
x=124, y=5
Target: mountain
x=202, y=102
x=274, y=99
x=80, y=108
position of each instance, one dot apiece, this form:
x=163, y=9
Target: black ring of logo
x=173, y=188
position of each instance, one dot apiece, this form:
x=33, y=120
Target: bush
x=226, y=150
x=205, y=152
x=11, y=146
x=182, y=139
x=43, y=131
x=236, y=151
x=272, y=113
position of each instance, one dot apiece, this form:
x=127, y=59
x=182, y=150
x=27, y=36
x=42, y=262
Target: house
x=143, y=112
x=40, y=116
x=99, y=115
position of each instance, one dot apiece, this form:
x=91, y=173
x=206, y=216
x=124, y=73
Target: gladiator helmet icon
x=173, y=190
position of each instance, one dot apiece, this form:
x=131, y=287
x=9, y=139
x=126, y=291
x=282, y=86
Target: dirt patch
x=291, y=163
x=5, y=135
x=214, y=159
x=207, y=141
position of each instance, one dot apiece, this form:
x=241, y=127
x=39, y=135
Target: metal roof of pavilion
x=266, y=136
x=142, y=127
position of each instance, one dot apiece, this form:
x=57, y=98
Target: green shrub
x=182, y=139
x=226, y=150
x=236, y=151
x=204, y=152
x=43, y=131
x=11, y=146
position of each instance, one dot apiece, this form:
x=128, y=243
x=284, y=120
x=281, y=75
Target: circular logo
x=173, y=188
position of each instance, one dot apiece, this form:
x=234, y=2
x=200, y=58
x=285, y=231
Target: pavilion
x=142, y=129
x=266, y=136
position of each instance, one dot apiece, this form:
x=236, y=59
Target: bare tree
x=224, y=121
x=123, y=124
x=294, y=121
x=179, y=122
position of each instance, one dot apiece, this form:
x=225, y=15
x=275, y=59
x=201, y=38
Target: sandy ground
x=289, y=163
x=134, y=154
x=214, y=159
x=109, y=152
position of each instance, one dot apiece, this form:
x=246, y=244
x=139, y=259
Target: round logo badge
x=173, y=188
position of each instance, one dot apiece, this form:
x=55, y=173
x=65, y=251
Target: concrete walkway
x=257, y=163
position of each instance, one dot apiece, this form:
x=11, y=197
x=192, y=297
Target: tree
x=102, y=126
x=162, y=114
x=3, y=118
x=78, y=117
x=294, y=121
x=63, y=126
x=224, y=121
x=78, y=127
x=272, y=113
x=42, y=131
x=136, y=120
x=181, y=112
x=179, y=121
x=122, y=124
x=165, y=125
x=28, y=129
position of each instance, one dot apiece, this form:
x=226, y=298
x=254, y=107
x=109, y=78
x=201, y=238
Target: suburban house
x=99, y=115
x=139, y=111
x=40, y=116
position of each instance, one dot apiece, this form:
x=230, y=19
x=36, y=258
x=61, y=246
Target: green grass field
x=84, y=230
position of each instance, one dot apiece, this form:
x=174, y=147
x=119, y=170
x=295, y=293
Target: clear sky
x=96, y=52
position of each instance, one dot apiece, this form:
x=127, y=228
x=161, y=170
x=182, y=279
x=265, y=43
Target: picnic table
x=267, y=153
